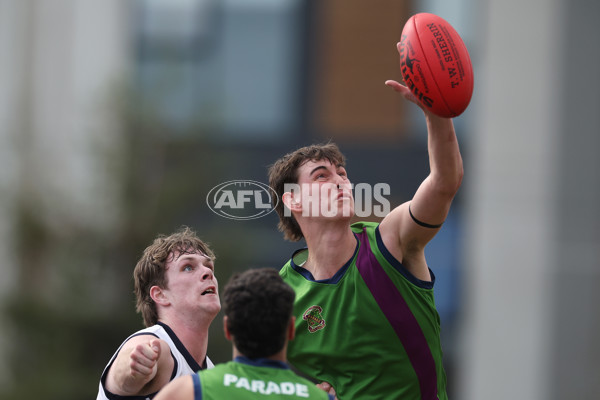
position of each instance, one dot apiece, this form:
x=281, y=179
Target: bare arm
x=181, y=388
x=404, y=237
x=144, y=365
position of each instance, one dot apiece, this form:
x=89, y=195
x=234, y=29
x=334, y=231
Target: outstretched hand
x=406, y=93
x=400, y=88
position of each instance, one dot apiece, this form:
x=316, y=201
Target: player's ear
x=158, y=295
x=226, y=329
x=291, y=334
x=292, y=201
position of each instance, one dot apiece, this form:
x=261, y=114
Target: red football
x=435, y=65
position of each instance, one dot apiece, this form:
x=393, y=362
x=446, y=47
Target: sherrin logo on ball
x=435, y=65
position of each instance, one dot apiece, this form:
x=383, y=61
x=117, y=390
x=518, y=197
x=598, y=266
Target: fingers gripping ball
x=435, y=65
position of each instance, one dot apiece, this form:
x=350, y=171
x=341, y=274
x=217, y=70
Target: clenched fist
x=137, y=368
x=143, y=360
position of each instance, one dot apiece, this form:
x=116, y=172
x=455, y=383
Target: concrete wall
x=530, y=318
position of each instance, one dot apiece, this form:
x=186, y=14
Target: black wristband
x=423, y=224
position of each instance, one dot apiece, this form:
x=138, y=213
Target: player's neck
x=193, y=336
x=279, y=356
x=329, y=250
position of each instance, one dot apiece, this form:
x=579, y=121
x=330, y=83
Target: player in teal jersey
x=366, y=322
x=258, y=320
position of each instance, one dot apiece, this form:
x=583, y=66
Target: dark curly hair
x=285, y=171
x=258, y=305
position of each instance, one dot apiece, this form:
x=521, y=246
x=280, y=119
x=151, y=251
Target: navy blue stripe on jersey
x=334, y=279
x=399, y=267
x=197, y=387
x=113, y=396
x=186, y=354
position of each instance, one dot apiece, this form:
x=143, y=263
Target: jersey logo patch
x=314, y=319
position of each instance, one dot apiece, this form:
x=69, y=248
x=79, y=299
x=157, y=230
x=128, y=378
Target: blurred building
x=59, y=60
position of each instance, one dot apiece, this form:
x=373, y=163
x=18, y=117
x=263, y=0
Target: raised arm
x=410, y=226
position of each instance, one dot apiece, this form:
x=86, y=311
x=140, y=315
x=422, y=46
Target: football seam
x=429, y=68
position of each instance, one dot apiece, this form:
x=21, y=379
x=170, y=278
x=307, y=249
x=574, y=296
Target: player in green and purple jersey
x=366, y=322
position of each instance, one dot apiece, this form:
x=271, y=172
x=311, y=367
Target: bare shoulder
x=406, y=241
x=181, y=388
x=390, y=228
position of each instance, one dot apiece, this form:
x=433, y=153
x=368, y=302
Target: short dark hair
x=258, y=305
x=285, y=170
x=150, y=269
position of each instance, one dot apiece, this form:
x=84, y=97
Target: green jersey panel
x=372, y=330
x=254, y=379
